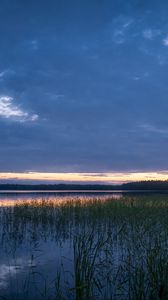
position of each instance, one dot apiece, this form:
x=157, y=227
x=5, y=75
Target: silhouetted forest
x=141, y=185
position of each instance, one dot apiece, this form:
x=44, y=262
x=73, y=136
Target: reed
x=118, y=248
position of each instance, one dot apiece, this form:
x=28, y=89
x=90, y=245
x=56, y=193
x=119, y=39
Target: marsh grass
x=119, y=247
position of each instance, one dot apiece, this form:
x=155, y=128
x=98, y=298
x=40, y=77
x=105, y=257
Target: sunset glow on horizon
x=106, y=178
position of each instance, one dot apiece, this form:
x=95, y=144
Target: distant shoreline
x=79, y=191
x=141, y=186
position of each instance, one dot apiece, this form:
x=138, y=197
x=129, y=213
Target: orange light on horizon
x=109, y=178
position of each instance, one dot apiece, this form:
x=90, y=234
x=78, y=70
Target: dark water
x=83, y=245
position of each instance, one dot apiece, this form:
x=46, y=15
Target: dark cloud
x=95, y=74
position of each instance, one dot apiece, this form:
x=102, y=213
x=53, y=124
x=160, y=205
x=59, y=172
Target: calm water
x=83, y=245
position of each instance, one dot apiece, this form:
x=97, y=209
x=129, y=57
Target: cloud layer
x=11, y=111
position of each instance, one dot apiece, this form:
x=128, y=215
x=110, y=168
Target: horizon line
x=84, y=177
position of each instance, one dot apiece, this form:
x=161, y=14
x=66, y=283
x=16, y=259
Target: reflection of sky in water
x=5, y=272
x=10, y=199
x=37, y=235
x=38, y=263
x=38, y=260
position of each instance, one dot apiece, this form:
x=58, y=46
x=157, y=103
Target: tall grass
x=118, y=248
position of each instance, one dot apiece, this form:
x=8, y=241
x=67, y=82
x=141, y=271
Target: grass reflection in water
x=83, y=247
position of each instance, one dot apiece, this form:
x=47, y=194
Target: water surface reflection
x=83, y=246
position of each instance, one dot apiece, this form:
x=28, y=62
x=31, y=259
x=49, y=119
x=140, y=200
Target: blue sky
x=83, y=86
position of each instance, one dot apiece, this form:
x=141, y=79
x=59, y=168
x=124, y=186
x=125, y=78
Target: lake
x=83, y=245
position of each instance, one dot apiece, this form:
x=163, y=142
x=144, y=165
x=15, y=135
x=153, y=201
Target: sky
x=83, y=89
